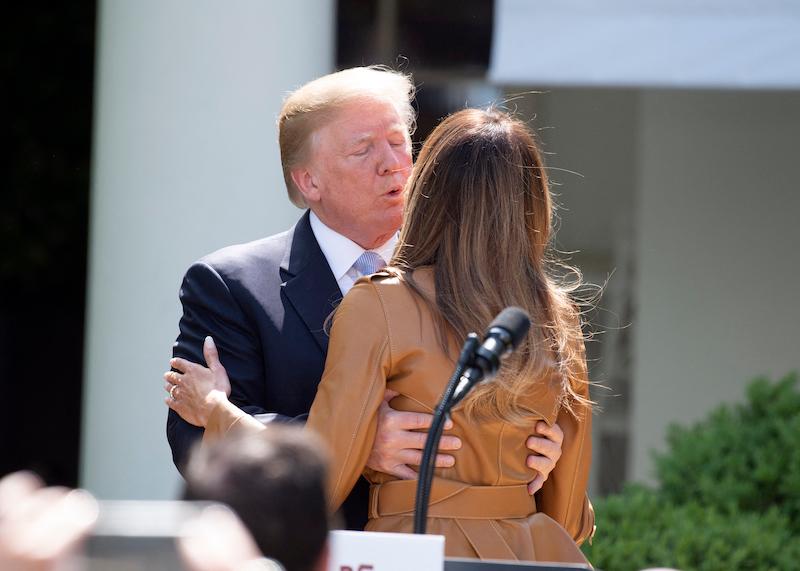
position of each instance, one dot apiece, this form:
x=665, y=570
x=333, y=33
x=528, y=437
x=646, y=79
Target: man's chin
x=394, y=223
x=389, y=229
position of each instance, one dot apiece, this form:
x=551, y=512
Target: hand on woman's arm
x=546, y=446
x=398, y=445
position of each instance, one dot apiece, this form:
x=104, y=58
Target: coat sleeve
x=209, y=308
x=345, y=409
x=563, y=496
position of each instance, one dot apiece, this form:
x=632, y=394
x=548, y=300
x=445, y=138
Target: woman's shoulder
x=394, y=291
x=399, y=282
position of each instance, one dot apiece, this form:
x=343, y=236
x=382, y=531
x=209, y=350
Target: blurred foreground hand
x=41, y=528
x=218, y=541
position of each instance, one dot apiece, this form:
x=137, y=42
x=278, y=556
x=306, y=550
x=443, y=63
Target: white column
x=185, y=161
x=717, y=255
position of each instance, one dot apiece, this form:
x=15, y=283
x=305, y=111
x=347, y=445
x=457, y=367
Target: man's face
x=355, y=180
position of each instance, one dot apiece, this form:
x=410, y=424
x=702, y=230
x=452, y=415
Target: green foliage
x=639, y=528
x=729, y=495
x=743, y=458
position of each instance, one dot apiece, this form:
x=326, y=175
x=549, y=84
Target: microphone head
x=515, y=321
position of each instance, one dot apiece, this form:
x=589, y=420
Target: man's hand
x=547, y=446
x=396, y=447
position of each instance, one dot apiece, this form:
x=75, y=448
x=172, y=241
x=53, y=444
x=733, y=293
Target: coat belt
x=452, y=499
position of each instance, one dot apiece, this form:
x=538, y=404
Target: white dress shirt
x=341, y=252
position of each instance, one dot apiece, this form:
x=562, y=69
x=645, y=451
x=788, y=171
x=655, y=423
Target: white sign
x=372, y=551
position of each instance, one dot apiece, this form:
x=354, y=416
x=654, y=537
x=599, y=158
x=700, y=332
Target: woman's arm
x=345, y=410
x=563, y=496
x=200, y=395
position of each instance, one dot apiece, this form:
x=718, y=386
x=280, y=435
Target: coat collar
x=308, y=283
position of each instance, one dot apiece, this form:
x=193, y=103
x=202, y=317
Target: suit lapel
x=309, y=283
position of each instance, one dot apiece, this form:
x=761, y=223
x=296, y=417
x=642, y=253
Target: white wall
x=718, y=253
x=702, y=185
x=185, y=162
x=589, y=139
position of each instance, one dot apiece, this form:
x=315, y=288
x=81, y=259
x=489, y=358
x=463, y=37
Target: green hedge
x=728, y=496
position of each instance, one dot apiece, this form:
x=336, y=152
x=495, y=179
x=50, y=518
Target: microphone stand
x=440, y=416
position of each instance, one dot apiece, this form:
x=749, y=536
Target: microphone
x=477, y=362
x=504, y=335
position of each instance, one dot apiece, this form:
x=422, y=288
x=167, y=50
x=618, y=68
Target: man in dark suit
x=346, y=154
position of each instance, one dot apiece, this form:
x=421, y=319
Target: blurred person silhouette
x=475, y=239
x=44, y=529
x=274, y=480
x=217, y=540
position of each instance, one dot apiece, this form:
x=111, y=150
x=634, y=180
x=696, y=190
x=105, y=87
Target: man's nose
x=393, y=159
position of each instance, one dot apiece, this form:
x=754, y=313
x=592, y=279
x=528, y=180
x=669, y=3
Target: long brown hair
x=479, y=211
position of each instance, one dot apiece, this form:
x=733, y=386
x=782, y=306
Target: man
x=346, y=154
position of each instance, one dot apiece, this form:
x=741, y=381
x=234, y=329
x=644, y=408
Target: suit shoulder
x=258, y=253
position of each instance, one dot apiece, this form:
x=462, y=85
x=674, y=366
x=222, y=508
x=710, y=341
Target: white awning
x=750, y=44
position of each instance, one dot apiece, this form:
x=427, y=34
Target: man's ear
x=306, y=183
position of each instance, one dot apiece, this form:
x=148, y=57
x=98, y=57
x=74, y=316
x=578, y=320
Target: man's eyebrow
x=367, y=137
x=360, y=139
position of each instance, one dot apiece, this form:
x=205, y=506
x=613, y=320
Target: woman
x=474, y=240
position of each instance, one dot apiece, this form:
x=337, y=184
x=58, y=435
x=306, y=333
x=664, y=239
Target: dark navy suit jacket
x=265, y=304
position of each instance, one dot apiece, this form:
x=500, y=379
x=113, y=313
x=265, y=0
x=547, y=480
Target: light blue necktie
x=368, y=263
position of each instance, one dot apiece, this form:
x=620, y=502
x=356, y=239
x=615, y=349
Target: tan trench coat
x=383, y=337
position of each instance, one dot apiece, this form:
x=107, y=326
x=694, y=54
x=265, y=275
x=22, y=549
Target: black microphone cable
x=476, y=363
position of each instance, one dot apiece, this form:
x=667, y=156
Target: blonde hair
x=479, y=211
x=315, y=103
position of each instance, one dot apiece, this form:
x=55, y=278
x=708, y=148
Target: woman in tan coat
x=475, y=237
